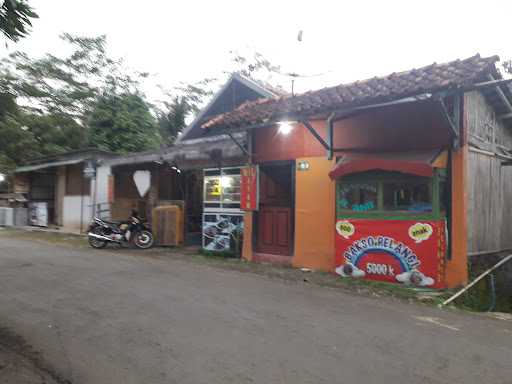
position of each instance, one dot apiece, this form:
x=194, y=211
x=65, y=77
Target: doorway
x=275, y=216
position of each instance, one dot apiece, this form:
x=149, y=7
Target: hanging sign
x=249, y=188
x=142, y=181
x=400, y=251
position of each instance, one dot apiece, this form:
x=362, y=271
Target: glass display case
x=222, y=216
x=222, y=189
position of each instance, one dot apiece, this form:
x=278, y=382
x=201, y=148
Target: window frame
x=221, y=204
x=383, y=177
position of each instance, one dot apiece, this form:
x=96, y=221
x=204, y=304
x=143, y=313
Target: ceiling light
x=285, y=127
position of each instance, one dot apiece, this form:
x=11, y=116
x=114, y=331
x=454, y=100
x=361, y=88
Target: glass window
x=222, y=190
x=358, y=197
x=212, y=190
x=230, y=188
x=407, y=196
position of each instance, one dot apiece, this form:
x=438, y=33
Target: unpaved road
x=113, y=317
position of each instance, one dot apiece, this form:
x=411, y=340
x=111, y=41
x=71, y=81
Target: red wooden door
x=275, y=213
x=274, y=230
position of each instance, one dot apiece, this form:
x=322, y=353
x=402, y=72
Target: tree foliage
x=181, y=103
x=56, y=96
x=16, y=19
x=85, y=98
x=70, y=84
x=123, y=123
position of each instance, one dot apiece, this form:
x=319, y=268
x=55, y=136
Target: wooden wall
x=489, y=182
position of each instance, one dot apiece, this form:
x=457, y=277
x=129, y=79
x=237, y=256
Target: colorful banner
x=400, y=251
x=249, y=188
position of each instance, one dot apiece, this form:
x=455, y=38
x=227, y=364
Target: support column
x=457, y=267
x=248, y=236
x=60, y=191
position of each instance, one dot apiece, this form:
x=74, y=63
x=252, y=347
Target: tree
x=16, y=19
x=70, y=84
x=185, y=100
x=172, y=122
x=58, y=94
x=123, y=123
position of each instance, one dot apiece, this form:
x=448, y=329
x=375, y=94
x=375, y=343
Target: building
x=178, y=173
x=63, y=190
x=396, y=178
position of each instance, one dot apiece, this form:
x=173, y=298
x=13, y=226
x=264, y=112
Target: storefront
x=391, y=217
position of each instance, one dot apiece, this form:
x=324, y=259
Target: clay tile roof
x=432, y=78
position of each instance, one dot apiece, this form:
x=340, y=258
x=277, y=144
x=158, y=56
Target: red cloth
x=414, y=162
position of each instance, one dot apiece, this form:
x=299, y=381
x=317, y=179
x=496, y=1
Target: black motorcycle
x=102, y=232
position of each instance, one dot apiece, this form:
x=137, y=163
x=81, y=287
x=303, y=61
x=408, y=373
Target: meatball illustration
x=415, y=277
x=349, y=270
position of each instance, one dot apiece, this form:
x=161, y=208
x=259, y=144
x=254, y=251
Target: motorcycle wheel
x=97, y=243
x=143, y=239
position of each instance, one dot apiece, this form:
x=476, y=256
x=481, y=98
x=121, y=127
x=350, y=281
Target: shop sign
x=249, y=188
x=401, y=251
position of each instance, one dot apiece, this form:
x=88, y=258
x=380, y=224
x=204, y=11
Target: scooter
x=102, y=232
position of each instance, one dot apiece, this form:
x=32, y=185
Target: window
x=358, y=196
x=407, y=196
x=383, y=192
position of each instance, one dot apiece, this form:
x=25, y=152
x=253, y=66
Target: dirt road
x=113, y=317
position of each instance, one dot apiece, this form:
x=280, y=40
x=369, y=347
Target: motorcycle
x=102, y=232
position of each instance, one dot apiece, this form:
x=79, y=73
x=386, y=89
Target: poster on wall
x=400, y=251
x=249, y=188
x=222, y=232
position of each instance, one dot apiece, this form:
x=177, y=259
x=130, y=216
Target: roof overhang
x=36, y=167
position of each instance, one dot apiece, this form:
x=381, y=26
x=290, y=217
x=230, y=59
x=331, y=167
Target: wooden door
x=275, y=233
x=274, y=230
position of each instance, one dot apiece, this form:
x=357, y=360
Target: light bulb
x=285, y=127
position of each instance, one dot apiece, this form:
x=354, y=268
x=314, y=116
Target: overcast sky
x=343, y=40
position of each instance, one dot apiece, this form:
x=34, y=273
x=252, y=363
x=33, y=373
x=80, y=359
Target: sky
x=342, y=41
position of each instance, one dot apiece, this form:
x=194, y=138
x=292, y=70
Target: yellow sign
x=420, y=232
x=345, y=228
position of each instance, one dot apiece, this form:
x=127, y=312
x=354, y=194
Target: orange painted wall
x=457, y=267
x=314, y=216
x=247, y=244
x=403, y=127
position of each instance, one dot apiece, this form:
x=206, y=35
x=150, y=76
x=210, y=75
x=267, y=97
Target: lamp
x=285, y=127
x=174, y=167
